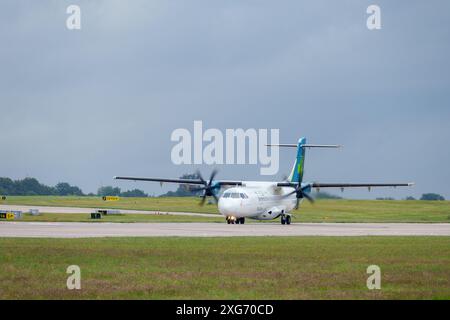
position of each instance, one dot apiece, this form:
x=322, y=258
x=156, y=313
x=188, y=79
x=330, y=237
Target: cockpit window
x=235, y=195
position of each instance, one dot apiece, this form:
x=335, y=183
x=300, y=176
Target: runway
x=103, y=229
x=48, y=209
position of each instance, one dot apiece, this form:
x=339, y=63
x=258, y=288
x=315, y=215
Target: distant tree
x=108, y=191
x=65, y=189
x=184, y=190
x=325, y=195
x=31, y=186
x=133, y=193
x=169, y=194
x=432, y=196
x=6, y=186
x=385, y=198
x=410, y=198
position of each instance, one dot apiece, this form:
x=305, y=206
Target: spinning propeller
x=299, y=194
x=208, y=188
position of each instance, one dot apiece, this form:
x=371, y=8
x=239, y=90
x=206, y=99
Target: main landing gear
x=285, y=219
x=233, y=220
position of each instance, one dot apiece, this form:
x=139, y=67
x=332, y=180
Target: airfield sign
x=110, y=198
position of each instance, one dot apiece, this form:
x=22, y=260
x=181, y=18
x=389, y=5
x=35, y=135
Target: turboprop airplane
x=264, y=200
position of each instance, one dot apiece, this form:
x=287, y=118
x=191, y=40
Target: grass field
x=231, y=268
x=83, y=217
x=321, y=211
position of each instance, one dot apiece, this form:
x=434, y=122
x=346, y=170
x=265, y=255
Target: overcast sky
x=85, y=105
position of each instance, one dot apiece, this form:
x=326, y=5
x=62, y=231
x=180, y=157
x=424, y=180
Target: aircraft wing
x=359, y=185
x=319, y=185
x=183, y=181
x=316, y=185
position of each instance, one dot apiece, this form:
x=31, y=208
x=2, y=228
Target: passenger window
x=243, y=196
x=226, y=195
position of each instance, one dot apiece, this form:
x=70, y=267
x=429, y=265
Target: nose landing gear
x=233, y=220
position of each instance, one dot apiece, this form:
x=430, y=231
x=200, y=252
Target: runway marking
x=109, y=229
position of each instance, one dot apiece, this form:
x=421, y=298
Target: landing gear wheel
x=283, y=219
x=288, y=219
x=242, y=220
x=238, y=220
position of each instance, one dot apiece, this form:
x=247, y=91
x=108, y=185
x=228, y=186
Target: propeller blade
x=307, y=196
x=215, y=197
x=200, y=177
x=289, y=194
x=211, y=178
x=202, y=203
x=297, y=203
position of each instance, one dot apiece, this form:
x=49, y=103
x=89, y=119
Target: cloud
x=85, y=105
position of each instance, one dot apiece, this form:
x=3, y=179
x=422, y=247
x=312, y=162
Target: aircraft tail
x=298, y=168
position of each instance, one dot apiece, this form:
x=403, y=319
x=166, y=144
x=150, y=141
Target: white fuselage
x=256, y=200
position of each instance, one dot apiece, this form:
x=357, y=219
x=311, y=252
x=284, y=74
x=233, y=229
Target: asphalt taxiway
x=172, y=229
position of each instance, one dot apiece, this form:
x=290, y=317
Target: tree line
x=115, y=191
x=32, y=187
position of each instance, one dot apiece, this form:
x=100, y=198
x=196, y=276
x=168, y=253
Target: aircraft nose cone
x=225, y=206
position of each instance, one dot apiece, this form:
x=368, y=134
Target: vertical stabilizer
x=297, y=170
